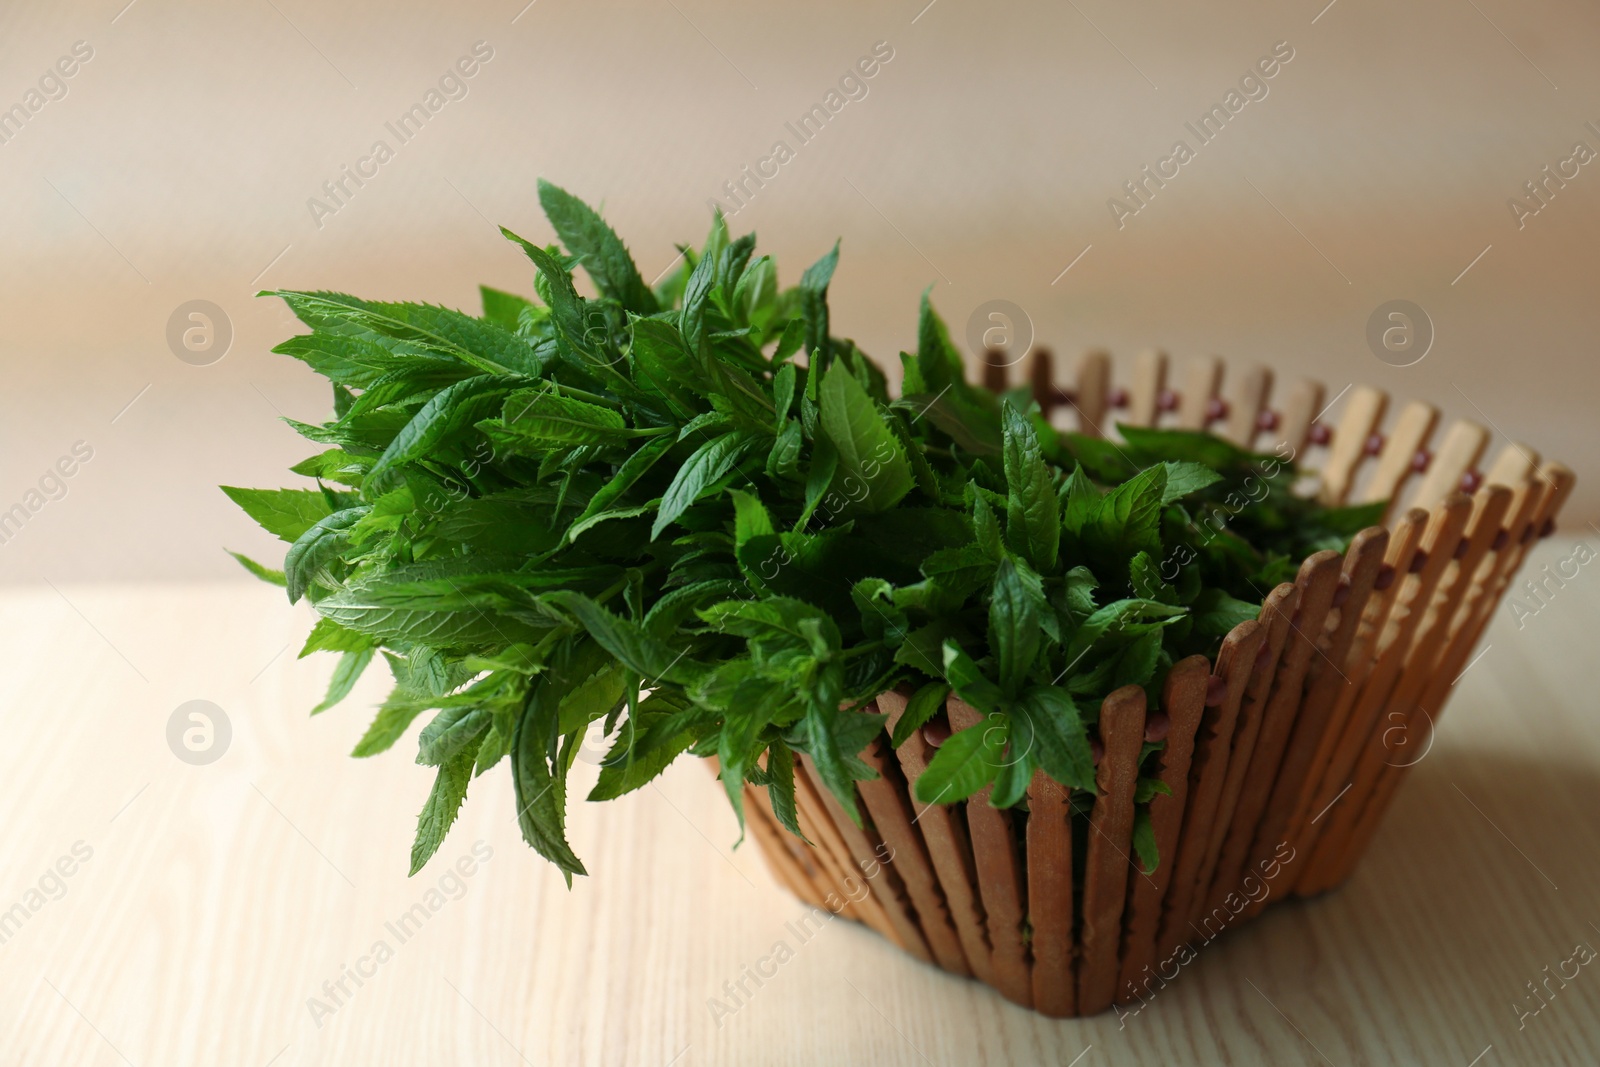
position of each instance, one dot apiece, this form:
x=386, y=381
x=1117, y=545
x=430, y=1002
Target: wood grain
x=205, y=920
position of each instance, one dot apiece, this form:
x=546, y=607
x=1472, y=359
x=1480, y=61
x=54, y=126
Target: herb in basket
x=692, y=515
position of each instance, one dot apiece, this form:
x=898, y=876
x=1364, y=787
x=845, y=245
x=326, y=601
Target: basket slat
x=994, y=858
x=1183, y=696
x=1330, y=680
x=1208, y=768
x=1371, y=666
x=1488, y=508
x=873, y=865
x=1247, y=399
x=1200, y=380
x=1406, y=438
x=886, y=803
x=1092, y=397
x=1257, y=825
x=1107, y=863
x=1049, y=836
x=1300, y=409
x=815, y=824
x=1276, y=612
x=1459, y=452
x=1342, y=855
x=1362, y=414
x=946, y=840
x=1144, y=396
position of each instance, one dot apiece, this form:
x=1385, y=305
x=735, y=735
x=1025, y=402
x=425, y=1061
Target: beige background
x=180, y=162
x=178, y=167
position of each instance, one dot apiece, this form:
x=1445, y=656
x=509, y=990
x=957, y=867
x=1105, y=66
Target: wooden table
x=217, y=900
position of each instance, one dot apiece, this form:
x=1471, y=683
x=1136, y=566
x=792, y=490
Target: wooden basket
x=1281, y=756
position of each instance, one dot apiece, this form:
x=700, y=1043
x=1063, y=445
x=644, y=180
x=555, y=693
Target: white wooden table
x=221, y=905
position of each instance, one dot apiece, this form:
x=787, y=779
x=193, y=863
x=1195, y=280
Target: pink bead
x=937, y=732
x=1320, y=434
x=1118, y=397
x=1216, y=690
x=1216, y=408
x=1167, y=400
x=1374, y=444
x=1420, y=461
x=1157, y=726
x=1267, y=420
x=1470, y=482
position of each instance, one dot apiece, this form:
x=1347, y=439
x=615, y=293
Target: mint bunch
x=691, y=514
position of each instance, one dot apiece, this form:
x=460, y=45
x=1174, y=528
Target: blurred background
x=186, y=156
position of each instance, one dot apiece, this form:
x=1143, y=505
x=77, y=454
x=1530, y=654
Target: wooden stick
x=1459, y=452
x=780, y=860
x=1489, y=506
x=1394, y=649
x=1362, y=414
x=1042, y=376
x=1409, y=436
x=890, y=809
x=1049, y=868
x=1341, y=860
x=1276, y=612
x=1247, y=398
x=1324, y=678
x=1207, y=771
x=1107, y=863
x=994, y=856
x=1092, y=398
x=836, y=860
x=874, y=867
x=1183, y=697
x=1200, y=382
x=1149, y=379
x=1329, y=680
x=1300, y=409
x=948, y=848
x=1255, y=830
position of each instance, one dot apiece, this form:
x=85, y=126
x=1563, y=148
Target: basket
x=1281, y=756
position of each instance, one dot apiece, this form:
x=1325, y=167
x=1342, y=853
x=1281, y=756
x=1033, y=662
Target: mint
x=691, y=519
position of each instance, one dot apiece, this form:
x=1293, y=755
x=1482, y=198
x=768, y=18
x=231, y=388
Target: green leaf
x=1215, y=612
x=1033, y=515
x=329, y=636
x=709, y=463
x=924, y=704
x=446, y=414
x=1060, y=742
x=504, y=309
x=1015, y=605
x=597, y=246
x=454, y=731
x=1144, y=840
x=416, y=328
x=345, y=675
x=643, y=653
x=394, y=716
x=309, y=557
x=635, y=467
x=1185, y=478
x=873, y=472
x=439, y=812
x=266, y=574
x=968, y=681
x=1128, y=519
x=814, y=312
x=285, y=513
x=964, y=764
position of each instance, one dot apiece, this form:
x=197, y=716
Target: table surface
x=211, y=911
